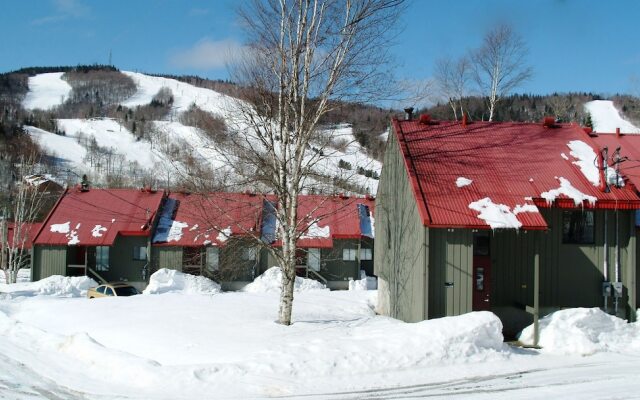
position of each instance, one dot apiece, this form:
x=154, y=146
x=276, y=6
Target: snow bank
x=171, y=281
x=364, y=283
x=56, y=285
x=584, y=331
x=270, y=281
x=24, y=275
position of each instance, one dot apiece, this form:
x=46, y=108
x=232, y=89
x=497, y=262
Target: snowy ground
x=182, y=345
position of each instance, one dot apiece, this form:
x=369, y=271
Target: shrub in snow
x=271, y=279
x=171, y=281
x=364, y=283
x=56, y=285
x=584, y=331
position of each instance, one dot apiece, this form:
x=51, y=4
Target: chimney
x=85, y=184
x=618, y=132
x=408, y=113
x=464, y=120
x=549, y=122
x=425, y=119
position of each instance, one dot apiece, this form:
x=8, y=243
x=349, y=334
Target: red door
x=481, y=283
x=481, y=271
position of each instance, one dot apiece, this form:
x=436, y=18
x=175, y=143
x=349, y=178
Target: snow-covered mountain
x=100, y=146
x=606, y=117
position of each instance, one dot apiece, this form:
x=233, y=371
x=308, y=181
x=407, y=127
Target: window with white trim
x=313, y=259
x=140, y=253
x=213, y=259
x=366, y=254
x=102, y=258
x=349, y=254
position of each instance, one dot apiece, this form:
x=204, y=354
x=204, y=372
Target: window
x=366, y=254
x=577, y=227
x=100, y=289
x=249, y=254
x=102, y=258
x=108, y=291
x=191, y=256
x=349, y=254
x=140, y=253
x=313, y=259
x=213, y=260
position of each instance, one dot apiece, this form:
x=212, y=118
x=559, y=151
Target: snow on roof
x=333, y=217
x=509, y=162
x=567, y=189
x=97, y=216
x=587, y=160
x=462, y=181
x=495, y=215
x=193, y=220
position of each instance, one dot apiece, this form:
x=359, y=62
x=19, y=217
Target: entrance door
x=481, y=272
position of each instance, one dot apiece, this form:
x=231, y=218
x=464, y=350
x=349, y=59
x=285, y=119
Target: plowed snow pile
x=271, y=279
x=584, y=331
x=57, y=286
x=171, y=281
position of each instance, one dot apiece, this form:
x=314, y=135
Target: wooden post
x=536, y=295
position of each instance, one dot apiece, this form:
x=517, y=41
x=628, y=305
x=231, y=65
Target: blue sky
x=575, y=45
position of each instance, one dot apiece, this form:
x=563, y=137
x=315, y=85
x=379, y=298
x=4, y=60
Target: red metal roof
x=29, y=231
x=97, y=216
x=629, y=147
x=325, y=218
x=510, y=163
x=192, y=220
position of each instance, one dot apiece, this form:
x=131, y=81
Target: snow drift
x=56, y=285
x=171, y=281
x=364, y=283
x=584, y=331
x=271, y=279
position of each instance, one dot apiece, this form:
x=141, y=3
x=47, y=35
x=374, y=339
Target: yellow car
x=112, y=289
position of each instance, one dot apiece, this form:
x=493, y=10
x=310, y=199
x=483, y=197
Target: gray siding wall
x=167, y=257
x=122, y=266
x=333, y=267
x=48, y=261
x=450, y=272
x=571, y=275
x=402, y=242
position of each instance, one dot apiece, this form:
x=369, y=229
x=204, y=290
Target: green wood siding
x=401, y=245
x=167, y=257
x=333, y=267
x=48, y=261
x=122, y=266
x=450, y=272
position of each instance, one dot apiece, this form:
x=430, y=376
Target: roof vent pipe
x=408, y=113
x=618, y=132
x=464, y=120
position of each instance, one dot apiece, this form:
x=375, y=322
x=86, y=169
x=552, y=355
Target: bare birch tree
x=452, y=78
x=500, y=64
x=26, y=204
x=303, y=56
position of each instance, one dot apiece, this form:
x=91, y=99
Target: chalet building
x=101, y=233
x=629, y=156
x=127, y=234
x=516, y=218
x=337, y=241
x=210, y=235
